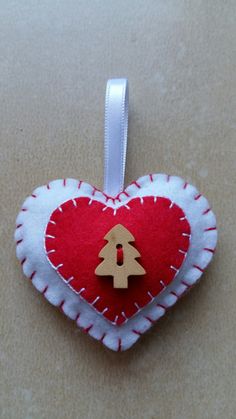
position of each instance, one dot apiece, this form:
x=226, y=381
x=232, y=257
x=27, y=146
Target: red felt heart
x=75, y=235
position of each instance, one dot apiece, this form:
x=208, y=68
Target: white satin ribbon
x=116, y=130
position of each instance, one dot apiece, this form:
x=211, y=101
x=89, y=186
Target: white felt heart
x=30, y=231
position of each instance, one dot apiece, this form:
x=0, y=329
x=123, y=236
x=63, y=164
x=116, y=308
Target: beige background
x=180, y=57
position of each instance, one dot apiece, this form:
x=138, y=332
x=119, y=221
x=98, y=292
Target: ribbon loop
x=116, y=130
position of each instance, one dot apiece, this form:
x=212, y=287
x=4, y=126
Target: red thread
x=32, y=275
x=77, y=317
x=117, y=197
x=197, y=197
x=107, y=196
x=136, y=332
x=45, y=290
x=48, y=186
x=136, y=184
x=162, y=306
x=24, y=209
x=123, y=192
x=23, y=261
x=209, y=250
x=119, y=345
x=94, y=191
x=103, y=337
x=64, y=182
x=185, y=283
x=174, y=293
x=168, y=178
x=61, y=305
x=19, y=241
x=198, y=267
x=185, y=185
x=151, y=177
x=87, y=329
x=210, y=229
x=19, y=225
x=33, y=196
x=149, y=319
x=206, y=211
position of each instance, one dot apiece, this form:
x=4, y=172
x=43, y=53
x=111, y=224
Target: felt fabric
x=75, y=235
x=30, y=238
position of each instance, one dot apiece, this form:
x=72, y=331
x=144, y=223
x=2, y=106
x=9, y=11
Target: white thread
x=150, y=295
x=95, y=300
x=105, y=310
x=59, y=266
x=123, y=314
x=74, y=202
x=52, y=222
x=82, y=290
x=163, y=284
x=49, y=236
x=51, y=251
x=69, y=280
x=174, y=268
x=60, y=209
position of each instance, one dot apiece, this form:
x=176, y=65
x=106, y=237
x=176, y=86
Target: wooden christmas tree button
x=119, y=257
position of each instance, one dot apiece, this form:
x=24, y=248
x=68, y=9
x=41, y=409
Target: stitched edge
x=185, y=282
x=81, y=291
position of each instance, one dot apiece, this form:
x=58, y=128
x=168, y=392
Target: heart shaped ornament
x=115, y=263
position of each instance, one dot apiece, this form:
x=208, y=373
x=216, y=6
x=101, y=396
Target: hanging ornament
x=115, y=260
